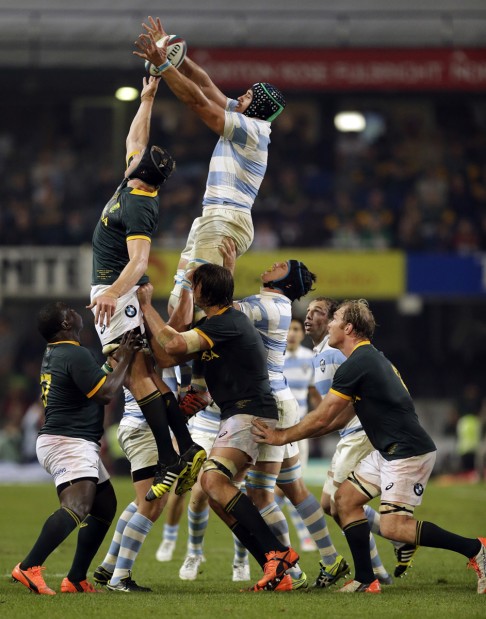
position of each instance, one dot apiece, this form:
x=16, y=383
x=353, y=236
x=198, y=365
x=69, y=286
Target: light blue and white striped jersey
x=271, y=313
x=326, y=362
x=299, y=372
x=239, y=161
x=132, y=414
x=208, y=420
x=172, y=377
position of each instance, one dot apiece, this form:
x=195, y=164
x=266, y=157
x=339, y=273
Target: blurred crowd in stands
x=415, y=180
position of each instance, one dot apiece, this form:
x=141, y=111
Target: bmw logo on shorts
x=418, y=489
x=130, y=311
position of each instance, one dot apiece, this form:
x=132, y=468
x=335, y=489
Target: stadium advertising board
x=38, y=272
x=65, y=272
x=448, y=275
x=378, y=275
x=348, y=69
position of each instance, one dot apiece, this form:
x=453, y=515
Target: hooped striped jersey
x=239, y=161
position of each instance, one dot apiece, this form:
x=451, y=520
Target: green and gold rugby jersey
x=382, y=403
x=70, y=376
x=235, y=367
x=130, y=214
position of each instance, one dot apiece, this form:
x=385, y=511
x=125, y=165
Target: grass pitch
x=438, y=585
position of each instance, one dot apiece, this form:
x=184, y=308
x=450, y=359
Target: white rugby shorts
x=235, y=432
x=208, y=231
x=138, y=445
x=127, y=315
x=67, y=458
x=400, y=481
x=350, y=450
x=288, y=415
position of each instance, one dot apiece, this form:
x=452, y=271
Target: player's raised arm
x=189, y=68
x=184, y=89
x=139, y=132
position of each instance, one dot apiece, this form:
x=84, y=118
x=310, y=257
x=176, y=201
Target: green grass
x=437, y=586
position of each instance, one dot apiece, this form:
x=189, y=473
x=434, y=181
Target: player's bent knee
x=361, y=485
x=105, y=503
x=345, y=499
x=296, y=492
x=199, y=501
x=151, y=510
x=393, y=517
x=221, y=465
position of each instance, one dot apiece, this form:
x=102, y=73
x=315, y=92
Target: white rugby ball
x=176, y=52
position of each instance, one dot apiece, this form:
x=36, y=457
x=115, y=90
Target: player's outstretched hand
x=155, y=28
x=105, y=305
x=228, y=250
x=148, y=49
x=263, y=434
x=131, y=343
x=150, y=86
x=144, y=294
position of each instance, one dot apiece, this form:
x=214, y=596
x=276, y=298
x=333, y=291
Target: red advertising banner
x=347, y=69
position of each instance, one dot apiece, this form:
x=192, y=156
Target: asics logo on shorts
x=389, y=487
x=223, y=434
x=103, y=328
x=130, y=311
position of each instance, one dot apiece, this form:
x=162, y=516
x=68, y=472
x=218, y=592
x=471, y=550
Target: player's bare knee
x=151, y=510
x=216, y=470
x=199, y=498
x=296, y=492
x=391, y=527
x=326, y=503
x=105, y=503
x=327, y=510
x=333, y=511
x=341, y=502
x=79, y=507
x=393, y=520
x=206, y=483
x=260, y=497
x=78, y=496
x=210, y=481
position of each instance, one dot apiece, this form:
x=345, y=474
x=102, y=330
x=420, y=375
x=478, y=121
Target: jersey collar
x=318, y=348
x=363, y=343
x=222, y=310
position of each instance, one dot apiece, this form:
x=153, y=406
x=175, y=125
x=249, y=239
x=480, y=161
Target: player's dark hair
x=217, y=285
x=50, y=318
x=357, y=312
x=332, y=305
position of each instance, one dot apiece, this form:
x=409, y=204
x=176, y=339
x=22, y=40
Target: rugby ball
x=176, y=52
